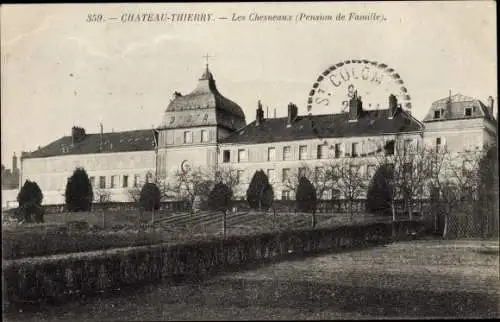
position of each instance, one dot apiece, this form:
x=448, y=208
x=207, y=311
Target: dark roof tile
x=138, y=140
x=373, y=122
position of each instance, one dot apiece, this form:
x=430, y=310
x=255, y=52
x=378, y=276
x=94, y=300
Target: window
x=125, y=182
x=407, y=144
x=270, y=175
x=285, y=195
x=286, y=175
x=271, y=154
x=136, y=180
x=188, y=137
x=287, y=153
x=204, y=136
x=317, y=172
x=102, y=182
x=370, y=170
x=92, y=181
x=239, y=176
x=113, y=182
x=437, y=114
x=226, y=156
x=321, y=152
x=389, y=147
x=242, y=155
x=354, y=150
x=302, y=172
x=337, y=150
x=468, y=111
x=438, y=144
x=303, y=152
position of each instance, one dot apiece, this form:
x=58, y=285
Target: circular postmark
x=370, y=80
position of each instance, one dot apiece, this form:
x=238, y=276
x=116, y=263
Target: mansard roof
x=205, y=96
x=456, y=108
x=127, y=141
x=371, y=123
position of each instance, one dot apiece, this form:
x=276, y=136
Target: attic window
x=468, y=111
x=437, y=114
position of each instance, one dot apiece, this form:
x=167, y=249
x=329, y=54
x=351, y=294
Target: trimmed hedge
x=57, y=277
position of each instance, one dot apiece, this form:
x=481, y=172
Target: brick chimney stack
x=393, y=105
x=292, y=113
x=355, y=107
x=491, y=105
x=260, y=114
x=14, y=162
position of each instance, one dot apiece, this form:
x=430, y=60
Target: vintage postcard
x=301, y=160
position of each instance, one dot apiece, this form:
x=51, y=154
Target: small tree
x=380, y=191
x=79, y=194
x=150, y=197
x=30, y=201
x=220, y=200
x=256, y=188
x=306, y=198
x=267, y=197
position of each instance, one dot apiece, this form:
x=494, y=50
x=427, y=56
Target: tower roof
x=205, y=96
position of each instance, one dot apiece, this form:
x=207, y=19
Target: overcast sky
x=59, y=71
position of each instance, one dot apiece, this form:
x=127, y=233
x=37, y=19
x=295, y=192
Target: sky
x=59, y=70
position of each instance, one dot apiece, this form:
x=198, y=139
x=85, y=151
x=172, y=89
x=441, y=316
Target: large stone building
x=205, y=129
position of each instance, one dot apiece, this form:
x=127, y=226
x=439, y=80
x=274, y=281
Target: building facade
x=205, y=129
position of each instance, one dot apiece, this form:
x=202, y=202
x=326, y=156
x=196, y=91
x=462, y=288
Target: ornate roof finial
x=206, y=74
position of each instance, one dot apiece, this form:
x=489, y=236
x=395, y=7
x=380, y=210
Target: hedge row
x=58, y=277
x=49, y=241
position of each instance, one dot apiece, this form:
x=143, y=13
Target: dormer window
x=468, y=111
x=437, y=114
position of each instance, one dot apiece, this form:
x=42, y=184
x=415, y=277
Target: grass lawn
x=419, y=279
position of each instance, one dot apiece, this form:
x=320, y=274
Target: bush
x=150, y=197
x=267, y=197
x=220, y=198
x=256, y=188
x=306, y=196
x=79, y=194
x=30, y=202
x=379, y=195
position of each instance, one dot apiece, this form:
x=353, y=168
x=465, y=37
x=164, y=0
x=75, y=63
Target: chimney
x=260, y=114
x=491, y=103
x=77, y=134
x=355, y=107
x=292, y=113
x=14, y=162
x=393, y=105
x=100, y=137
x=274, y=113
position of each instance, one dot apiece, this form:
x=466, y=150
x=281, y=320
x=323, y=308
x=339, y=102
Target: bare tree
x=192, y=184
x=351, y=180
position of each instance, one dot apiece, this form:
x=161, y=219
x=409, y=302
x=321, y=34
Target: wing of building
x=205, y=129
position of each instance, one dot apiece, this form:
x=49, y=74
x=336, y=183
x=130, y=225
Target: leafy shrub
x=220, y=197
x=267, y=197
x=79, y=194
x=30, y=202
x=306, y=196
x=150, y=197
x=255, y=191
x=379, y=195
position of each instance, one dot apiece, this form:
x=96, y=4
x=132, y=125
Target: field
x=419, y=279
x=59, y=234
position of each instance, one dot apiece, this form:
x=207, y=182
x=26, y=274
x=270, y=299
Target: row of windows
x=188, y=136
x=467, y=112
x=113, y=181
x=286, y=173
x=321, y=152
